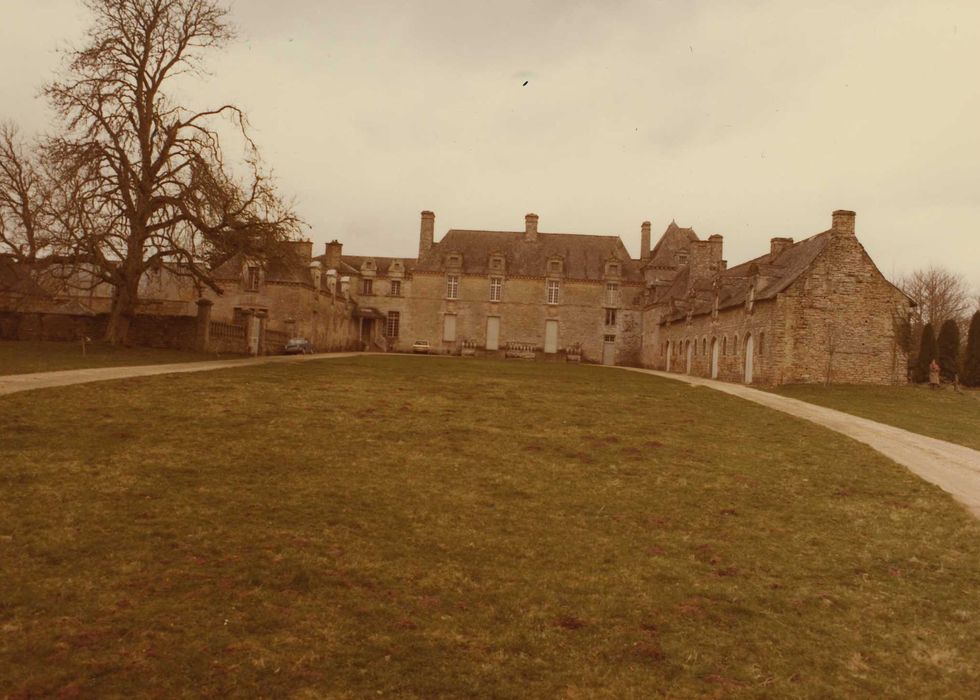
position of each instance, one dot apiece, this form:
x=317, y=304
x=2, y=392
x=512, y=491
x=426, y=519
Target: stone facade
x=548, y=295
x=814, y=311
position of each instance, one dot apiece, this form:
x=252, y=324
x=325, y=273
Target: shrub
x=927, y=353
x=971, y=361
x=948, y=349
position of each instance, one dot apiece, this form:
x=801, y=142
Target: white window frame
x=554, y=291
x=452, y=286
x=611, y=317
x=496, y=288
x=395, y=289
x=393, y=320
x=367, y=286
x=612, y=293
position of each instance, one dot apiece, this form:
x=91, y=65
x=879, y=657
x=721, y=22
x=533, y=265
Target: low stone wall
x=156, y=331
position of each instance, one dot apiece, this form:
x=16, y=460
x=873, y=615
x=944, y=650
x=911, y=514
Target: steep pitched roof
x=16, y=279
x=673, y=239
x=383, y=264
x=584, y=256
x=775, y=273
x=282, y=268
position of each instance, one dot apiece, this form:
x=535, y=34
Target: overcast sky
x=750, y=119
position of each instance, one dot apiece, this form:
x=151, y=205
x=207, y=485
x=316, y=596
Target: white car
x=420, y=346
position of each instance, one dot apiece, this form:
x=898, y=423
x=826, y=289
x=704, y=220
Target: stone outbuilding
x=816, y=310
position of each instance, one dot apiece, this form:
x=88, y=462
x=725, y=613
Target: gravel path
x=10, y=384
x=953, y=468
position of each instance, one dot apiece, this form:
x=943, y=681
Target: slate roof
x=584, y=256
x=733, y=285
x=285, y=268
x=382, y=264
x=673, y=239
x=15, y=279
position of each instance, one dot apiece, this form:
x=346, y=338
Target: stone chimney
x=717, y=243
x=531, y=227
x=302, y=249
x=331, y=258
x=843, y=222
x=332, y=281
x=778, y=245
x=699, y=261
x=426, y=232
x=645, y=240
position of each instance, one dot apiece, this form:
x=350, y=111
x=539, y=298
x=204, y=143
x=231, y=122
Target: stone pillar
x=261, y=318
x=249, y=323
x=202, y=340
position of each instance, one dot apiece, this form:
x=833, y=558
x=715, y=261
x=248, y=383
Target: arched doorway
x=670, y=351
x=749, y=342
x=688, y=369
x=714, y=358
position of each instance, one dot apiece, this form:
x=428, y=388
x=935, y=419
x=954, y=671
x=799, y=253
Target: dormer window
x=682, y=258
x=612, y=269
x=454, y=260
x=554, y=267
x=252, y=277
x=497, y=263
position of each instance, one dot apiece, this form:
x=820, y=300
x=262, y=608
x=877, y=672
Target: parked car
x=420, y=346
x=298, y=346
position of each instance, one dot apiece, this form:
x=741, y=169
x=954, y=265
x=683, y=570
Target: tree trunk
x=123, y=310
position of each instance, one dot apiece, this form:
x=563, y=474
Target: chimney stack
x=531, y=227
x=843, y=222
x=645, y=240
x=426, y=232
x=717, y=242
x=778, y=245
x=331, y=255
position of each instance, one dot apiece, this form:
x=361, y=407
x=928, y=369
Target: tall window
x=610, y=317
x=367, y=286
x=452, y=287
x=612, y=293
x=496, y=285
x=724, y=345
x=252, y=278
x=391, y=328
x=396, y=288
x=553, y=287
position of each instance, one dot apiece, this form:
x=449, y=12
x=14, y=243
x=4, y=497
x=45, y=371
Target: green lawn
x=418, y=527
x=942, y=414
x=25, y=356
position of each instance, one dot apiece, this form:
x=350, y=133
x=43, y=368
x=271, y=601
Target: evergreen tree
x=927, y=353
x=948, y=349
x=971, y=362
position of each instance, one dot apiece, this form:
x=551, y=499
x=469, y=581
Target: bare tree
x=940, y=295
x=150, y=186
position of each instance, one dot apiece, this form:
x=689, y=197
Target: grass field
x=26, y=356
x=417, y=527
x=944, y=414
